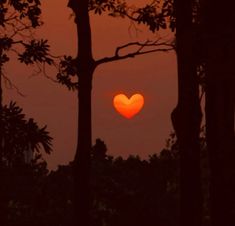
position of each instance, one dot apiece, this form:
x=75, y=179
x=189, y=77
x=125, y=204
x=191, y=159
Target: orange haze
x=153, y=75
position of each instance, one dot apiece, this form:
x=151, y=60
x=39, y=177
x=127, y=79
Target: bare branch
x=41, y=69
x=141, y=49
x=10, y=85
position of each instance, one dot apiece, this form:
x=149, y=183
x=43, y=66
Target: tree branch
x=10, y=85
x=157, y=47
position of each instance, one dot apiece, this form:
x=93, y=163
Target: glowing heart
x=128, y=107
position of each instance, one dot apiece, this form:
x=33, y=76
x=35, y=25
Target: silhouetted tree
x=99, y=150
x=83, y=67
x=22, y=138
x=17, y=19
x=22, y=163
x=220, y=100
x=186, y=117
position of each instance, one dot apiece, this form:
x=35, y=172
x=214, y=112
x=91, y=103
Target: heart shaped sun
x=128, y=107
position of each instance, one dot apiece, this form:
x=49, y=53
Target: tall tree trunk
x=82, y=158
x=220, y=99
x=85, y=64
x=186, y=118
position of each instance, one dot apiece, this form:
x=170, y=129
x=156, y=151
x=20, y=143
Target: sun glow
x=128, y=107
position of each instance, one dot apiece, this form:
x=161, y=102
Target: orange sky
x=153, y=75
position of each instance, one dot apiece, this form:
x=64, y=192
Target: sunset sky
x=152, y=75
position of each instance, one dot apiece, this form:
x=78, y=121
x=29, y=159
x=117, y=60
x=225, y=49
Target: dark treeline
x=123, y=191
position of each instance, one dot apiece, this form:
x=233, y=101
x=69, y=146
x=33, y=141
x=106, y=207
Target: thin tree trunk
x=85, y=65
x=186, y=118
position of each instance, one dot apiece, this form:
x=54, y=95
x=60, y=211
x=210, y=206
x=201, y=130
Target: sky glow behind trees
x=154, y=75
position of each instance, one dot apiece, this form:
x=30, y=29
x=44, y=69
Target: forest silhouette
x=189, y=183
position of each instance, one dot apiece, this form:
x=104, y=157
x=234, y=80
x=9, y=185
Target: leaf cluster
x=17, y=19
x=21, y=135
x=67, y=71
x=5, y=45
x=36, y=51
x=21, y=9
x=113, y=7
x=3, y=59
x=156, y=15
x=149, y=16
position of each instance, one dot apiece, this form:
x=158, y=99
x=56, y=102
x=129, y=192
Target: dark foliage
x=124, y=192
x=36, y=51
x=67, y=72
x=21, y=135
x=17, y=19
x=154, y=14
x=23, y=169
x=29, y=9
